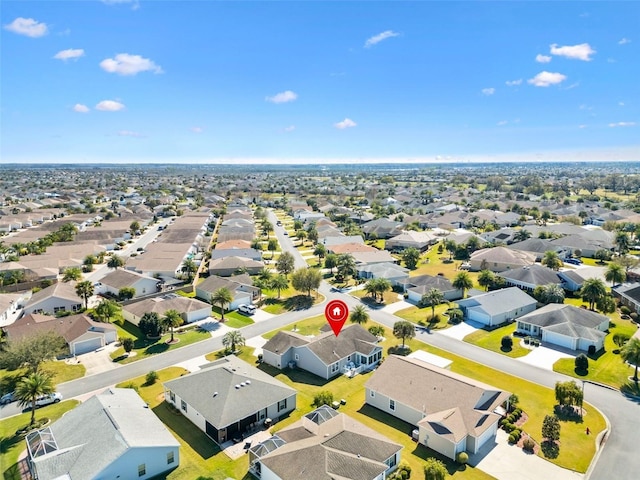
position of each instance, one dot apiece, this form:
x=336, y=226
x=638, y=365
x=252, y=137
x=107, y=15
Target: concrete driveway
x=544, y=357
x=98, y=361
x=397, y=306
x=461, y=330
x=506, y=462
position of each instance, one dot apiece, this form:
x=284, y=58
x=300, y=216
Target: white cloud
x=346, y=123
x=488, y=91
x=622, y=124
x=624, y=41
x=513, y=83
x=80, y=108
x=544, y=79
x=582, y=126
x=501, y=123
x=582, y=51
x=197, y=129
x=282, y=97
x=134, y=3
x=621, y=104
x=290, y=128
x=126, y=64
x=27, y=26
x=380, y=37
x=543, y=58
x=109, y=106
x=71, y=53
x=128, y=133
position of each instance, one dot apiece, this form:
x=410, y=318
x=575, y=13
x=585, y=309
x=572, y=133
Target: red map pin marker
x=336, y=313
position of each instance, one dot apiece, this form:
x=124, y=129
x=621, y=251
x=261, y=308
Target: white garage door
x=557, y=339
x=87, y=345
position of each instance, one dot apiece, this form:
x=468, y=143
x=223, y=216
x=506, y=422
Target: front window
x=58, y=309
x=391, y=462
x=183, y=405
x=172, y=397
x=170, y=458
x=282, y=405
x=334, y=368
x=392, y=404
x=142, y=470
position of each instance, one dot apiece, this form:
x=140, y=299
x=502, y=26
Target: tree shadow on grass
x=8, y=381
x=581, y=372
x=550, y=449
x=295, y=375
x=157, y=348
x=298, y=302
x=398, y=350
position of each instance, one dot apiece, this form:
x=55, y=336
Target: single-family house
x=452, y=413
x=325, y=355
x=566, y=326
x=227, y=266
x=325, y=444
x=571, y=280
x=120, y=278
x=417, y=286
x=240, y=286
x=497, y=307
x=191, y=309
x=228, y=397
x=59, y=297
x=111, y=435
x=499, y=259
x=529, y=277
x=628, y=295
x=382, y=228
x=250, y=253
x=80, y=332
x=11, y=306
x=539, y=246
x=396, y=274
x=411, y=239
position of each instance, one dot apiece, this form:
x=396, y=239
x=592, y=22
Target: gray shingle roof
x=533, y=274
x=213, y=394
x=567, y=320
x=497, y=301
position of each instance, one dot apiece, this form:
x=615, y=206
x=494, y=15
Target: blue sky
x=203, y=81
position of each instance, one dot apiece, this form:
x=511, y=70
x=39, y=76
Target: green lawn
x=237, y=320
x=423, y=314
x=389, y=297
x=144, y=347
x=11, y=445
x=492, y=341
x=309, y=326
x=61, y=372
x=290, y=299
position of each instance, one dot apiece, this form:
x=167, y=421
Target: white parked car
x=48, y=399
x=247, y=309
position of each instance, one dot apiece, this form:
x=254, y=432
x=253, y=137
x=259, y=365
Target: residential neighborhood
x=204, y=308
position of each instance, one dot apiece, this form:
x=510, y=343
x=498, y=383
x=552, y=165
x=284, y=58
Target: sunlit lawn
x=417, y=314
x=60, y=371
x=389, y=297
x=237, y=320
x=576, y=448
x=492, y=341
x=11, y=445
x=290, y=299
x=438, y=263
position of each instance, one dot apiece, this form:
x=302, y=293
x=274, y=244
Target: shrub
x=507, y=342
x=517, y=412
x=592, y=349
x=325, y=397
x=127, y=344
x=503, y=422
x=528, y=444
x=509, y=427
x=526, y=340
x=516, y=432
x=463, y=458
x=625, y=310
x=434, y=469
x=151, y=377
x=582, y=363
x=513, y=439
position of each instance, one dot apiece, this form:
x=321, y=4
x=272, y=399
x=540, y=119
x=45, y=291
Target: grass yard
x=423, y=314
x=576, y=448
x=237, y=320
x=144, y=347
x=433, y=263
x=61, y=372
x=11, y=445
x=492, y=341
x=389, y=297
x=290, y=299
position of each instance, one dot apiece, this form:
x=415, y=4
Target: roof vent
x=237, y=387
x=242, y=384
x=215, y=394
x=248, y=382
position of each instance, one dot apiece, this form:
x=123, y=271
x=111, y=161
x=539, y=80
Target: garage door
x=87, y=345
x=557, y=339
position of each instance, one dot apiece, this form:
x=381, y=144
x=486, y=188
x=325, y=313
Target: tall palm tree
x=622, y=242
x=521, y=235
x=371, y=287
x=551, y=260
x=231, y=339
x=462, y=281
x=486, y=278
x=631, y=353
x=221, y=297
x=84, y=290
x=280, y=282
x=615, y=273
x=30, y=388
x=552, y=293
x=189, y=268
x=171, y=320
x=346, y=266
x=115, y=262
x=359, y=315
x=592, y=290
x=432, y=298
x=106, y=310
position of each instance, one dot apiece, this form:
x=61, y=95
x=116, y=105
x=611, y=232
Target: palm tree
x=190, y=268
x=592, y=290
x=462, y=281
x=521, y=235
x=231, y=339
x=320, y=251
x=115, y=262
x=106, y=310
x=280, y=282
x=171, y=320
x=432, y=298
x=553, y=293
x=71, y=274
x=346, y=266
x=221, y=297
x=486, y=278
x=622, y=242
x=615, y=273
x=84, y=290
x=272, y=246
x=371, y=287
x=631, y=353
x=359, y=315
x=404, y=329
x=30, y=388
x=551, y=260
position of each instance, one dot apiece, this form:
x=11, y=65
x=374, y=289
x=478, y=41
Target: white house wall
x=309, y=361
x=196, y=315
x=49, y=304
x=154, y=459
x=403, y=412
x=439, y=444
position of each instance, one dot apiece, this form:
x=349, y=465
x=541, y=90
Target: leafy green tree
x=592, y=290
x=551, y=260
x=376, y=330
x=285, y=263
x=346, y=266
x=171, y=320
x=84, y=290
x=272, y=246
x=325, y=397
x=128, y=344
x=521, y=235
x=411, y=257
x=432, y=298
x=126, y=293
x=115, y=262
x=630, y=353
x=456, y=316
x=606, y=304
x=615, y=273
x=568, y=393
x=106, y=310
x=279, y=283
x=189, y=268
x=486, y=279
x=150, y=324
x=551, y=293
x=312, y=235
x=582, y=363
x=320, y=251
x=622, y=242
x=306, y=280
x=31, y=387
x=602, y=255
x=620, y=339
x=134, y=227
x=404, y=330
x=231, y=339
x=462, y=281
x=359, y=315
x=222, y=297
x=330, y=261
x=434, y=469
x=31, y=351
x=551, y=428
x=151, y=378
x=72, y=274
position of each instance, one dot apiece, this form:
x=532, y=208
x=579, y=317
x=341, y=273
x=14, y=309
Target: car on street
x=48, y=399
x=8, y=398
x=573, y=261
